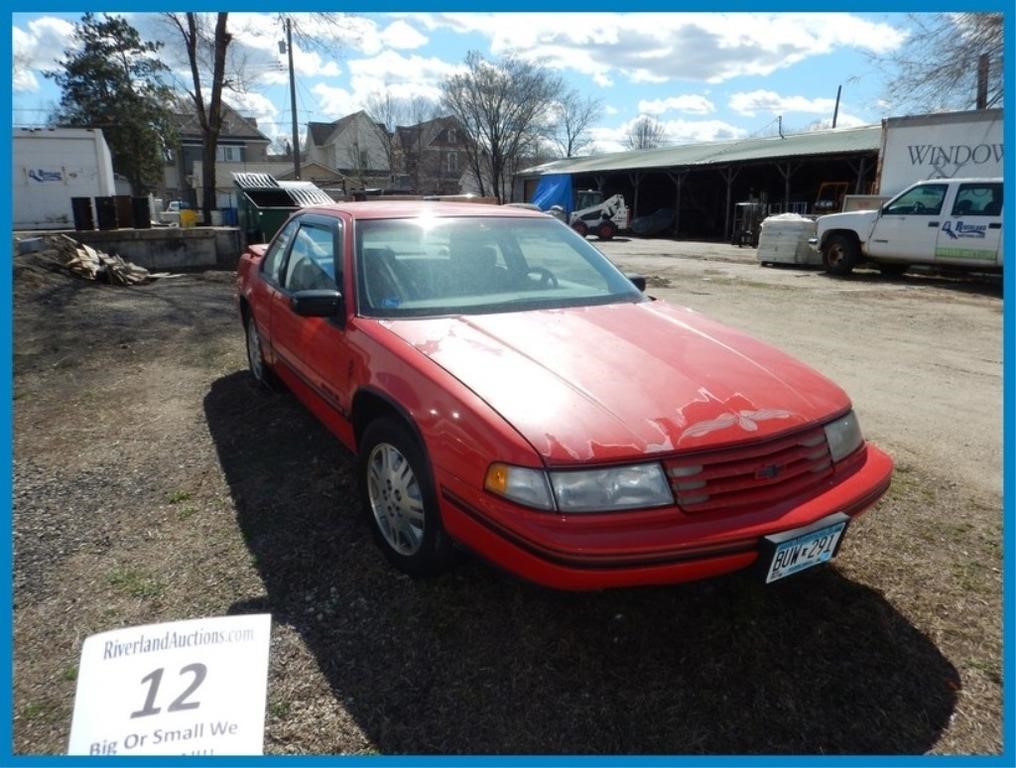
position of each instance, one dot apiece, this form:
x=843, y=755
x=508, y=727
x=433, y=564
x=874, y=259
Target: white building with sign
x=52, y=165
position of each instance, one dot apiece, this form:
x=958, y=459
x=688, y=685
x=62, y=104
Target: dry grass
x=154, y=482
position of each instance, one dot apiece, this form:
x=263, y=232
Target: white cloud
x=334, y=102
x=843, y=120
x=676, y=132
x=262, y=109
x=404, y=77
x=688, y=131
x=24, y=80
x=358, y=33
x=37, y=49
x=752, y=102
x=260, y=37
x=658, y=47
x=337, y=31
x=690, y=103
x=310, y=64
x=401, y=35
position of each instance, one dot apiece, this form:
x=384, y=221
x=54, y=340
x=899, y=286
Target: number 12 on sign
x=180, y=703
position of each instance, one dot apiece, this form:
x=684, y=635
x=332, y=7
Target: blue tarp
x=554, y=189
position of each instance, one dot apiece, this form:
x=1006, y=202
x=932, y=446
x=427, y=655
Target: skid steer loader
x=596, y=216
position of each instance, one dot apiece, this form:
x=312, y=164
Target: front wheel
x=259, y=369
x=839, y=254
x=580, y=227
x=401, y=506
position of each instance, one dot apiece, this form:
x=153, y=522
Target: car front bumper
x=662, y=546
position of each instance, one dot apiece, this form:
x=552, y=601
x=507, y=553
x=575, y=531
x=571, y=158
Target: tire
x=606, y=230
x=399, y=500
x=581, y=228
x=839, y=255
x=892, y=269
x=259, y=369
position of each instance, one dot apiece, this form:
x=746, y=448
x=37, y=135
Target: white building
x=52, y=165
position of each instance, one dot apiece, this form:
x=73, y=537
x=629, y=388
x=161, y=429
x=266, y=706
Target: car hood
x=859, y=221
x=612, y=382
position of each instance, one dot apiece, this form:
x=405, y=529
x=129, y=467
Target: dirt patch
x=153, y=481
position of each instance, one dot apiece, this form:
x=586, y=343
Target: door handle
x=933, y=224
x=995, y=225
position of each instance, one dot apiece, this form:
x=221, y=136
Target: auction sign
x=194, y=687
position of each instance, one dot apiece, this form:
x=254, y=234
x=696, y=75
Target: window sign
x=194, y=687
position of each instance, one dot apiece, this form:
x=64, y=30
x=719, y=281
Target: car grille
x=755, y=476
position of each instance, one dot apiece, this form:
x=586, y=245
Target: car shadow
x=477, y=662
x=975, y=283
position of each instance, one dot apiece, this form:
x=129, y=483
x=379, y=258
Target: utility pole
x=836, y=111
x=982, y=81
x=292, y=99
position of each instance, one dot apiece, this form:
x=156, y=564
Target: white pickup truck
x=947, y=222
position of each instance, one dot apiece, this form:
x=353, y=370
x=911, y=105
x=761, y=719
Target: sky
x=704, y=76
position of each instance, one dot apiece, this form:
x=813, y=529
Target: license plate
x=799, y=549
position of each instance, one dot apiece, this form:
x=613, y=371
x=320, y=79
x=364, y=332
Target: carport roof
x=842, y=140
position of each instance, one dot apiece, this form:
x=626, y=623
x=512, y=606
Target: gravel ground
x=153, y=481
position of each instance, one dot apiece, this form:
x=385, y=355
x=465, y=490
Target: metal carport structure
x=785, y=170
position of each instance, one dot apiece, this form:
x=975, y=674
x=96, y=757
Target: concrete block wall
x=168, y=249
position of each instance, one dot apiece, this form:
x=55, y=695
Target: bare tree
x=645, y=133
x=206, y=46
x=415, y=161
x=937, y=67
x=502, y=105
x=573, y=115
x=358, y=163
x=215, y=67
x=387, y=112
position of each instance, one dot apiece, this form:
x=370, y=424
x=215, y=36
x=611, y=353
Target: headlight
x=588, y=490
x=614, y=488
x=844, y=436
x=522, y=485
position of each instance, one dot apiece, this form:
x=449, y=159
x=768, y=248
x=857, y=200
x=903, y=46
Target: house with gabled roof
x=241, y=144
x=355, y=146
x=433, y=154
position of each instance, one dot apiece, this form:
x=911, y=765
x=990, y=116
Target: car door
x=907, y=227
x=971, y=235
x=265, y=291
x=314, y=349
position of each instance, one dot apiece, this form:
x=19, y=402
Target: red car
x=509, y=391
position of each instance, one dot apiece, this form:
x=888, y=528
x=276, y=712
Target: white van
x=947, y=222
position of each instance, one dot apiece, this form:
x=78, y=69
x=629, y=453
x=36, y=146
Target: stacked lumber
x=91, y=264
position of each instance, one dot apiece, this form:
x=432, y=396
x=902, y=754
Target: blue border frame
x=1007, y=758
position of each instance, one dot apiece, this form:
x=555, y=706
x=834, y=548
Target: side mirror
x=317, y=303
x=639, y=281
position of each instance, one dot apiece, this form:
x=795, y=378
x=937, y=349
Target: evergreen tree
x=113, y=80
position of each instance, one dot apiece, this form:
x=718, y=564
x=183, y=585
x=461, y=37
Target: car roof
x=410, y=209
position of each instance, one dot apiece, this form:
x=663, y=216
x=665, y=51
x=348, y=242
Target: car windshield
x=432, y=266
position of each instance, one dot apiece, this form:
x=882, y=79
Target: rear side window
x=271, y=267
x=978, y=199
